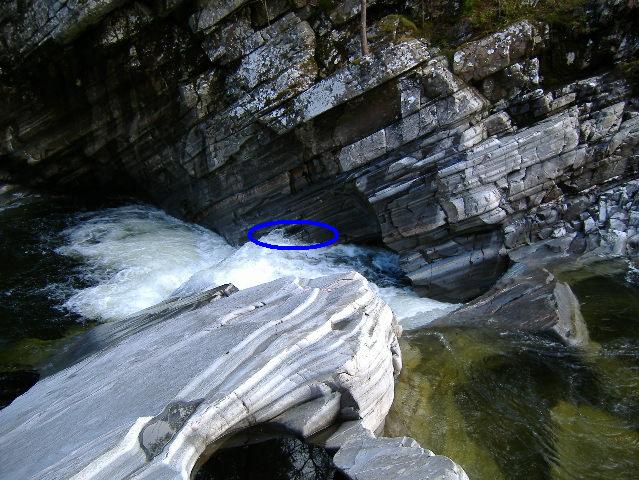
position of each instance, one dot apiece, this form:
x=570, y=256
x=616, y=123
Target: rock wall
x=232, y=112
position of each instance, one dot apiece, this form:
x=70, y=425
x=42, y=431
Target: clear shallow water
x=519, y=406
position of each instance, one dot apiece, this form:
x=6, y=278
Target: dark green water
x=34, y=281
x=523, y=407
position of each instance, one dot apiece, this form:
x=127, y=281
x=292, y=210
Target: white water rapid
x=136, y=256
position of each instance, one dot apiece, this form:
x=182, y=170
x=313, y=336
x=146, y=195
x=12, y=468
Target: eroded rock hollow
x=181, y=377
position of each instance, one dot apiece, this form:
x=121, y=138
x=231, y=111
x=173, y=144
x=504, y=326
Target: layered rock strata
x=608, y=226
x=302, y=354
x=229, y=113
x=525, y=299
x=528, y=297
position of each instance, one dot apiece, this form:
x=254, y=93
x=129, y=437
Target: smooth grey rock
x=346, y=9
x=179, y=385
x=363, y=458
x=108, y=334
x=347, y=431
x=311, y=417
x=210, y=12
x=524, y=299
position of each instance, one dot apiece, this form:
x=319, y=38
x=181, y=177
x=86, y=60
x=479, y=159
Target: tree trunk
x=363, y=33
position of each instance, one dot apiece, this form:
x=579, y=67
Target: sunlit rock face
x=229, y=113
x=304, y=354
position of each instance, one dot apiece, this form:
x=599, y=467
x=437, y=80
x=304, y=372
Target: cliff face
x=451, y=152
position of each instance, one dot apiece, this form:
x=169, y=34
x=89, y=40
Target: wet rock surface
x=299, y=354
x=364, y=457
x=524, y=299
x=109, y=334
x=231, y=112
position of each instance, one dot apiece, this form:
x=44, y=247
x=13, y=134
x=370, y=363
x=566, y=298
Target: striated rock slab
x=479, y=59
x=210, y=12
x=363, y=457
x=525, y=299
x=108, y=334
x=227, y=112
x=150, y=403
x=59, y=22
x=351, y=81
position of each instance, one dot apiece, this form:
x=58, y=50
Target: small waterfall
x=135, y=256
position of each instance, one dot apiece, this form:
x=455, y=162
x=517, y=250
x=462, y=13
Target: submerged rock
x=303, y=354
x=525, y=299
x=589, y=443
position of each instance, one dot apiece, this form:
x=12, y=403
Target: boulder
x=364, y=457
x=525, y=299
x=178, y=378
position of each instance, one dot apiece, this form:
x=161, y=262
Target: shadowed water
x=517, y=406
x=285, y=458
x=34, y=281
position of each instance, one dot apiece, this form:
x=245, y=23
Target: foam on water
x=137, y=256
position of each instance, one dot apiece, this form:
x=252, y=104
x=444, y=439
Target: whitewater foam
x=136, y=256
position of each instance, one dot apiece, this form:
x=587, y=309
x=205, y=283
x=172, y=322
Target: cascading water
x=503, y=406
x=69, y=264
x=137, y=256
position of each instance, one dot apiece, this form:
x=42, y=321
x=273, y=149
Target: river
x=508, y=406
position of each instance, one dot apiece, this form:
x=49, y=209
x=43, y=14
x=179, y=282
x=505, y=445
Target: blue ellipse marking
x=274, y=223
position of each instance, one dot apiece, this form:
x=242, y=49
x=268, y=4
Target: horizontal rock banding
x=230, y=112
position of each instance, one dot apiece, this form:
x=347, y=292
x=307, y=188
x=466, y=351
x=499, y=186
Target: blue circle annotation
x=274, y=223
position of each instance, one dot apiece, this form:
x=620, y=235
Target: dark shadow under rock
x=14, y=384
x=282, y=458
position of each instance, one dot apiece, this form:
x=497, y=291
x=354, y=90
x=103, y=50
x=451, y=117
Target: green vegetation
x=391, y=23
x=398, y=28
x=482, y=17
x=487, y=15
x=326, y=5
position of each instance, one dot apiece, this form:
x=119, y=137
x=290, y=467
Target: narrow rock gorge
x=479, y=151
x=447, y=146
